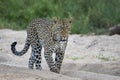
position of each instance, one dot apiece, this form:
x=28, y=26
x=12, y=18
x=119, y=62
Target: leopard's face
x=61, y=29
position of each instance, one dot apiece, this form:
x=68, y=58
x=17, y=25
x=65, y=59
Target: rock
x=114, y=30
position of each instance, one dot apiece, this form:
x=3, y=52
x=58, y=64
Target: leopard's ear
x=55, y=19
x=70, y=20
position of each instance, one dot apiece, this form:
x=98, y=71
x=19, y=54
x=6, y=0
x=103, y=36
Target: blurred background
x=89, y=16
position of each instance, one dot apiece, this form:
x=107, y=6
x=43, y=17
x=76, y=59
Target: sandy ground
x=86, y=58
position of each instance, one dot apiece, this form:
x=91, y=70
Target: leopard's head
x=61, y=29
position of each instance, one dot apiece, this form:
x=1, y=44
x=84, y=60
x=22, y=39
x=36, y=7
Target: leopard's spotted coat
x=52, y=35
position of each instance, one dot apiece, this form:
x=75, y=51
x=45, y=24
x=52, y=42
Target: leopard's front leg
x=58, y=60
x=48, y=56
x=60, y=55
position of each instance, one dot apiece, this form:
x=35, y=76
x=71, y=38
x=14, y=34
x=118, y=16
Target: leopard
x=52, y=35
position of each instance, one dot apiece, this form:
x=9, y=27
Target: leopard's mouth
x=63, y=40
x=60, y=40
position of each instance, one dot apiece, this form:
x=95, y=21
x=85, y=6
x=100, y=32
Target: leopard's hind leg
x=38, y=56
x=35, y=58
x=31, y=60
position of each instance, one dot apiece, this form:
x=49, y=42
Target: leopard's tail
x=25, y=49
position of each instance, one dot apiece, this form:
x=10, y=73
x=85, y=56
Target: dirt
x=87, y=57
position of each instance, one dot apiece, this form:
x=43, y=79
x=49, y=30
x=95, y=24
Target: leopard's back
x=40, y=27
x=47, y=30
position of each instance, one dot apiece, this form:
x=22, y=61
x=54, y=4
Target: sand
x=87, y=57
